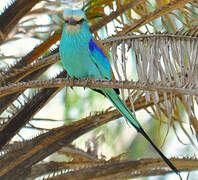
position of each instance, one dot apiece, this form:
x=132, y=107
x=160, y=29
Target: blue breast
x=76, y=57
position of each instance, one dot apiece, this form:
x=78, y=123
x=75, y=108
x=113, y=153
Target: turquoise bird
x=82, y=56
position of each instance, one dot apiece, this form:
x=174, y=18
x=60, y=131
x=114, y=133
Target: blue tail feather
x=122, y=107
x=125, y=111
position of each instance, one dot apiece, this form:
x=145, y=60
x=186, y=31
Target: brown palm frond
x=12, y=14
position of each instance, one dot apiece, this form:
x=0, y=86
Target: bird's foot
x=88, y=79
x=73, y=79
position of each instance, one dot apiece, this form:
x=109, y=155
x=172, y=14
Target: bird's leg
x=91, y=78
x=73, y=79
x=87, y=79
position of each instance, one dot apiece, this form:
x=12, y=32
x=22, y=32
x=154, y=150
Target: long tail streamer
x=125, y=111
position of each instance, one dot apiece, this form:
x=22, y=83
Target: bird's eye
x=81, y=21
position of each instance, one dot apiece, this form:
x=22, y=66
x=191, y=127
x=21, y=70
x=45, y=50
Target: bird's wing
x=100, y=59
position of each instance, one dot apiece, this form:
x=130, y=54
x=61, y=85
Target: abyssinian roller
x=82, y=57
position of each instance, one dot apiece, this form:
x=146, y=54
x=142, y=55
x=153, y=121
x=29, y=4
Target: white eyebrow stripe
x=75, y=17
x=78, y=18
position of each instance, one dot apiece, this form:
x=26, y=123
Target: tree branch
x=161, y=86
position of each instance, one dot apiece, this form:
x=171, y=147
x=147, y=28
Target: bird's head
x=75, y=21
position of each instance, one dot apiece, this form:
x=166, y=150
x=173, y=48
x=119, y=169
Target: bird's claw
x=88, y=79
x=73, y=81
